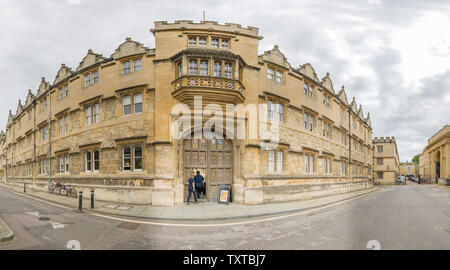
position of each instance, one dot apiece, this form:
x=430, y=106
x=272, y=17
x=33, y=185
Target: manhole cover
x=128, y=225
x=44, y=218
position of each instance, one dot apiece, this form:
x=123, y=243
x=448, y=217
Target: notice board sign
x=224, y=194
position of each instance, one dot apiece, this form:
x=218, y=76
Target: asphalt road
x=396, y=217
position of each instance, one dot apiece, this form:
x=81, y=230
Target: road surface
x=395, y=217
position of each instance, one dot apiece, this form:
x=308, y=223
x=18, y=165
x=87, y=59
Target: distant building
x=408, y=168
x=434, y=162
x=385, y=159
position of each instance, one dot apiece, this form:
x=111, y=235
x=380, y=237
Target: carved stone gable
x=309, y=71
x=343, y=96
x=128, y=48
x=91, y=58
x=277, y=57
x=63, y=73
x=43, y=86
x=326, y=81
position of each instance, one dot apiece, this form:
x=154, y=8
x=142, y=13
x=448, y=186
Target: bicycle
x=54, y=186
x=68, y=191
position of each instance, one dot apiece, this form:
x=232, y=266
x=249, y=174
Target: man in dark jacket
x=199, y=184
x=191, y=188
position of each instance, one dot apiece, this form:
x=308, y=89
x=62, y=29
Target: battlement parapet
x=384, y=139
x=205, y=25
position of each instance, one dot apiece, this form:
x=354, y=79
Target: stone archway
x=438, y=164
x=213, y=158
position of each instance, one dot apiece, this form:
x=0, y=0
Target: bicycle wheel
x=64, y=191
x=73, y=193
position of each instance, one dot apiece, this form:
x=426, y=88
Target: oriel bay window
x=204, y=67
x=223, y=68
x=132, y=158
x=92, y=161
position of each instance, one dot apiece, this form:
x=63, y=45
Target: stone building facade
x=385, y=159
x=2, y=154
x=434, y=161
x=407, y=168
x=108, y=125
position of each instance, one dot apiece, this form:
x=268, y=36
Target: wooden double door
x=214, y=160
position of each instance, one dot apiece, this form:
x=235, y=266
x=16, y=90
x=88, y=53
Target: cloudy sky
x=392, y=56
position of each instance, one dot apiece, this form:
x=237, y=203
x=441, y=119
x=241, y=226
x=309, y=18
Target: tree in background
x=416, y=159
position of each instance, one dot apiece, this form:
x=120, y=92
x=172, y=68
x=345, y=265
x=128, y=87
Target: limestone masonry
x=108, y=124
x=434, y=161
x=386, y=161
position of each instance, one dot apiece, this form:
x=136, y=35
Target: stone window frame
x=92, y=160
x=43, y=166
x=30, y=168
x=132, y=95
x=327, y=127
x=128, y=64
x=344, y=169
x=132, y=157
x=310, y=162
x=378, y=161
x=193, y=40
x=63, y=159
x=89, y=78
x=274, y=76
x=327, y=166
x=63, y=122
x=275, y=111
x=326, y=100
x=379, y=147
x=273, y=163
x=94, y=116
x=179, y=69
x=380, y=174
x=310, y=125
x=223, y=63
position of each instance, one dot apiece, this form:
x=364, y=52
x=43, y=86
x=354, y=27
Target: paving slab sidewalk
x=192, y=212
x=6, y=233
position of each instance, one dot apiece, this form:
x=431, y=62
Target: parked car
x=400, y=179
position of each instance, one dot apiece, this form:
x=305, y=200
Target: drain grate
x=128, y=225
x=44, y=219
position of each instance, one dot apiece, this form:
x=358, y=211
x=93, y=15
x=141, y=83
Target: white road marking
x=232, y=223
x=36, y=214
x=56, y=225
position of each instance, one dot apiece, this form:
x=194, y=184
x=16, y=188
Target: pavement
x=193, y=212
x=6, y=233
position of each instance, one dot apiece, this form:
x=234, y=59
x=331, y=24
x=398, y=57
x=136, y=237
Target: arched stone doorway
x=438, y=165
x=213, y=158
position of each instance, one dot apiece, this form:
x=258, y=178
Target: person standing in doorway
x=199, y=184
x=191, y=188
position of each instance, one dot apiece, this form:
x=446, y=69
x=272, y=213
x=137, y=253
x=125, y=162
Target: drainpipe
x=49, y=138
x=349, y=143
x=34, y=169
